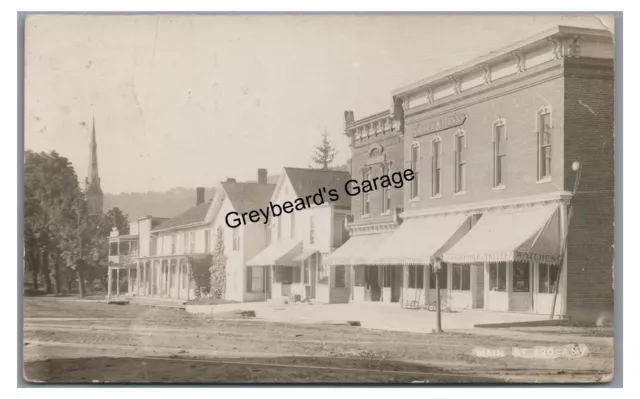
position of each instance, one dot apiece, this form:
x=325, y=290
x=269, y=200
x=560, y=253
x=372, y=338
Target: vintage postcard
x=318, y=198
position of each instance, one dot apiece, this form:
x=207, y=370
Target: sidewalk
x=380, y=316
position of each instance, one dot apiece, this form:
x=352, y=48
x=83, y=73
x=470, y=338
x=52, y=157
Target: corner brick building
x=513, y=153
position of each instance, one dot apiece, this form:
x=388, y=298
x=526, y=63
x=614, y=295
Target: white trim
x=490, y=205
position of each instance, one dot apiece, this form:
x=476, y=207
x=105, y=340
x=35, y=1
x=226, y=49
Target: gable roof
x=193, y=215
x=246, y=197
x=308, y=181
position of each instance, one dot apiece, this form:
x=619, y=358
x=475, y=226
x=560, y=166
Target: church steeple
x=94, y=191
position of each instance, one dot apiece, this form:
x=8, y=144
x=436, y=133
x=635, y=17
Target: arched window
x=460, y=152
x=499, y=152
x=415, y=167
x=544, y=126
x=436, y=165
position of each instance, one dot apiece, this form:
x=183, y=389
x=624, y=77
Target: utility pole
x=577, y=167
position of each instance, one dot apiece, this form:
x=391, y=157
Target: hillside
x=161, y=204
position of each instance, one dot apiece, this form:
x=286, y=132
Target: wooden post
x=179, y=267
x=137, y=278
x=438, y=310
x=128, y=280
x=109, y=284
x=118, y=282
x=188, y=280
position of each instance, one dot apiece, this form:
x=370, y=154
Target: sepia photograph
x=309, y=198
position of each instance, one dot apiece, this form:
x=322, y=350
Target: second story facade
x=507, y=126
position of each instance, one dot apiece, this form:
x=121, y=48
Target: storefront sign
x=439, y=124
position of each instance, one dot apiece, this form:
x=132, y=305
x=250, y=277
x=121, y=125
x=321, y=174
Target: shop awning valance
x=418, y=240
x=532, y=234
x=279, y=253
x=304, y=255
x=356, y=251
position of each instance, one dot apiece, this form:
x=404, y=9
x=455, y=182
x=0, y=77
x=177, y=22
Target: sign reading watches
x=439, y=124
x=351, y=187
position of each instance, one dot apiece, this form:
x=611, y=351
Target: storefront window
x=498, y=276
x=386, y=280
x=442, y=276
x=341, y=277
x=306, y=273
x=416, y=276
x=547, y=278
x=521, y=277
x=461, y=277
x=296, y=274
x=287, y=274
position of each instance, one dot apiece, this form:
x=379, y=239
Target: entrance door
x=521, y=298
x=287, y=279
x=396, y=283
x=373, y=284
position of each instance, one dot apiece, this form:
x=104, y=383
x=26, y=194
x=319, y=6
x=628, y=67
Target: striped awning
x=279, y=253
x=418, y=240
x=531, y=234
x=357, y=250
x=304, y=255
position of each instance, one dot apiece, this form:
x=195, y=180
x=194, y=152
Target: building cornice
x=562, y=41
x=558, y=197
x=377, y=225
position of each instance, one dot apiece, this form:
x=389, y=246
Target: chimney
x=348, y=118
x=199, y=195
x=231, y=180
x=262, y=176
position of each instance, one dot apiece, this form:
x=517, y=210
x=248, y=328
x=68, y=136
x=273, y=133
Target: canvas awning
x=279, y=253
x=356, y=251
x=304, y=255
x=418, y=240
x=522, y=235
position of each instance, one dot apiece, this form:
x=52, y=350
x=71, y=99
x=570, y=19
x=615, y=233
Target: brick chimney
x=231, y=180
x=199, y=195
x=262, y=176
x=348, y=118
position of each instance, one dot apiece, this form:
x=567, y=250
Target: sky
x=187, y=101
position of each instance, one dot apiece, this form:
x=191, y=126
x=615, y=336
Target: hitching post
x=437, y=267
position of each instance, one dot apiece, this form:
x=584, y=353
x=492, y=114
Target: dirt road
x=67, y=341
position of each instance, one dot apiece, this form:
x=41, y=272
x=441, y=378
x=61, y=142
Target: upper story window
x=192, y=242
x=236, y=239
x=460, y=151
x=499, y=152
x=415, y=166
x=207, y=241
x=436, y=165
x=173, y=244
x=292, y=219
x=312, y=230
x=544, y=143
x=366, y=197
x=386, y=191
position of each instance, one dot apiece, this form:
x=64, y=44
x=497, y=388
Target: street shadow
x=272, y=370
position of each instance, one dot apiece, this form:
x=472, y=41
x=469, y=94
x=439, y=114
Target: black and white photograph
x=318, y=198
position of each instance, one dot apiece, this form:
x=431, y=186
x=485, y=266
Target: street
x=90, y=341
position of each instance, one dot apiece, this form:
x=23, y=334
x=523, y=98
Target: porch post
x=352, y=271
x=137, y=278
x=109, y=284
x=188, y=280
x=118, y=282
x=128, y=280
x=179, y=268
x=405, y=284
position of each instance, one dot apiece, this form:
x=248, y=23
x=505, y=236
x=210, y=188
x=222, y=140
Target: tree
x=325, y=152
x=51, y=193
x=115, y=217
x=218, y=269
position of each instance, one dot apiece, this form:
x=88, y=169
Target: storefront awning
x=279, y=253
x=524, y=235
x=418, y=240
x=304, y=255
x=356, y=251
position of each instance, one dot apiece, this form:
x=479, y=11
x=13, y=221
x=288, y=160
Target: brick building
x=498, y=146
x=376, y=149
